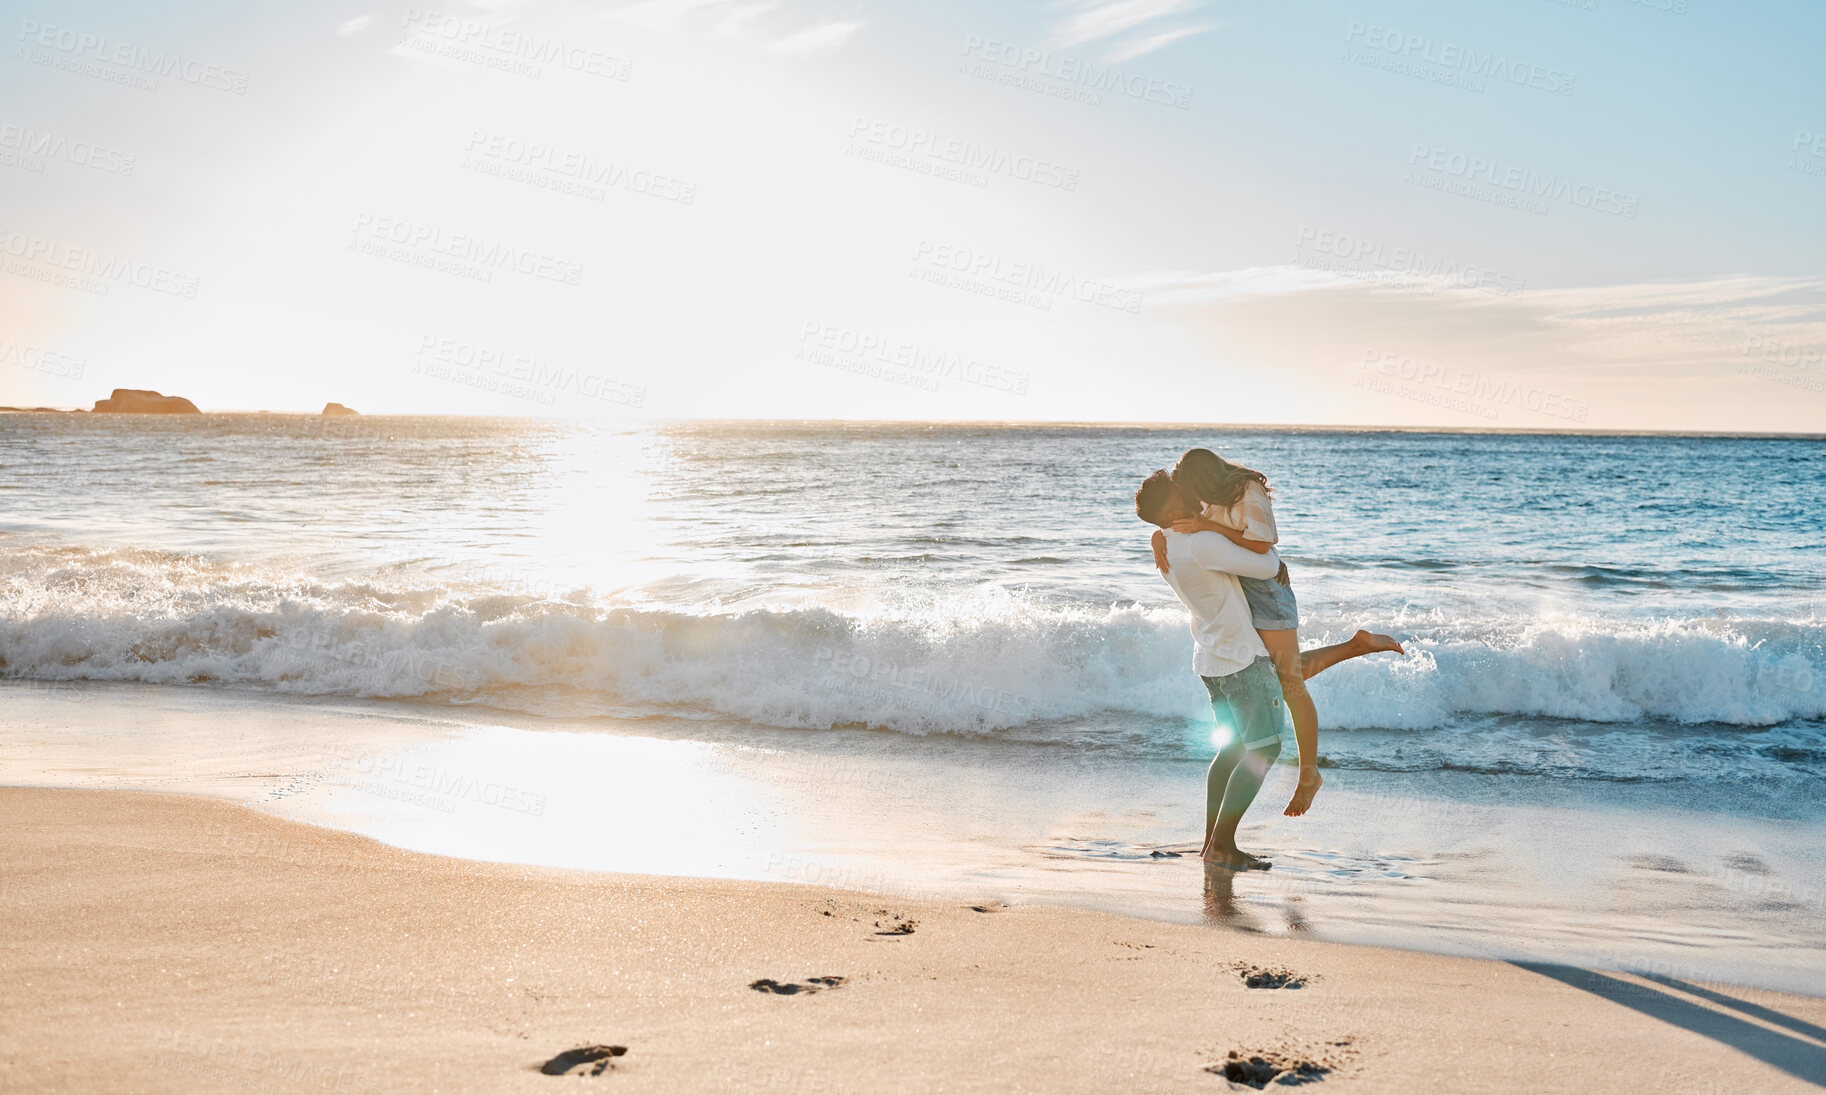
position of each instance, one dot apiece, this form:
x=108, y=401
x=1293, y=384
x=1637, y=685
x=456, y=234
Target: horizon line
x=1063, y=423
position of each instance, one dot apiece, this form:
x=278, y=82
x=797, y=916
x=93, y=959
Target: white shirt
x=1253, y=515
x=1202, y=569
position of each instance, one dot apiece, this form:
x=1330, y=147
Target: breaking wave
x=935, y=663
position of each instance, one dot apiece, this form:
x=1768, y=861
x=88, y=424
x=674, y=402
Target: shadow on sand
x=1801, y=1058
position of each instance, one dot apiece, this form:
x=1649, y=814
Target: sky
x=1513, y=214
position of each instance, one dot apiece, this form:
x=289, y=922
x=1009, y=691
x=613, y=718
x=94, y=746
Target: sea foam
x=916, y=663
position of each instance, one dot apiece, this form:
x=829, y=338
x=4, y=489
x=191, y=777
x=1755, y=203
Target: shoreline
x=1433, y=866
x=211, y=947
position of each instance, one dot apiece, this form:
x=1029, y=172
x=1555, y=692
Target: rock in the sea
x=137, y=401
x=333, y=409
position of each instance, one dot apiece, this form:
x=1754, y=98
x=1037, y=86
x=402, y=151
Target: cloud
x=1728, y=302
x=1113, y=23
x=1739, y=351
x=1137, y=47
x=664, y=14
x=764, y=24
x=815, y=39
x=1188, y=287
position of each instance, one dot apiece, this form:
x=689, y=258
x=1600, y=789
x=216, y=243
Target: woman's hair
x=1203, y=476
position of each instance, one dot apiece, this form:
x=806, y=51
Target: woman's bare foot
x=1310, y=781
x=1372, y=643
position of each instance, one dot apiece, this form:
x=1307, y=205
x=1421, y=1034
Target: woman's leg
x=1317, y=660
x=1294, y=669
x=1284, y=650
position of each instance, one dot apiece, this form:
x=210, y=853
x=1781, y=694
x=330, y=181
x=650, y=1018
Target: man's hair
x=1153, y=495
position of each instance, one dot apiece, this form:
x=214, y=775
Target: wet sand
x=157, y=943
x=1414, y=864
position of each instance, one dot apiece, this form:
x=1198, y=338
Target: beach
x=1063, y=546
x=1645, y=881
x=163, y=943
x=413, y=706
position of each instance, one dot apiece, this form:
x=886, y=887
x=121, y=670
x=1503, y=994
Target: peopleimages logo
x=530, y=50
x=1406, y=260
x=472, y=251
x=526, y=369
x=40, y=360
x=838, y=347
x=1025, y=275
x=1759, y=342
x=32, y=145
x=924, y=684
x=965, y=154
x=1468, y=390
x=135, y=59
x=1071, y=70
x=592, y=175
x=1522, y=182
x=450, y=784
x=1465, y=59
x=1809, y=150
x=88, y=269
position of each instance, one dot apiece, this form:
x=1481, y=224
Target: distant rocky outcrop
x=331, y=410
x=138, y=401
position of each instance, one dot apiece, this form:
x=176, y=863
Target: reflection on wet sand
x=1221, y=908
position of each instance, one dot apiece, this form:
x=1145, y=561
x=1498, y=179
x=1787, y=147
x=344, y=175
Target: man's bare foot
x=1371, y=643
x=1235, y=859
x=1310, y=781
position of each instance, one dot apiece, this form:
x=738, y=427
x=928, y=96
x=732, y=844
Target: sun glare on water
x=594, y=517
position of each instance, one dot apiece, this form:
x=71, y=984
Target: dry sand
x=151, y=943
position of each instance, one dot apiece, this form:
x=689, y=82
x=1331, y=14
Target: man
x=1229, y=657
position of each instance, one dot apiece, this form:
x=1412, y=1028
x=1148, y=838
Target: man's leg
x=1241, y=771
x=1217, y=781
x=1256, y=713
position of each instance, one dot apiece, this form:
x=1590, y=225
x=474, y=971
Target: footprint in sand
x=583, y=1061
x=1748, y=863
x=1269, y=977
x=1261, y=1069
x=793, y=988
x=896, y=925
x=1283, y=1067
x=1665, y=864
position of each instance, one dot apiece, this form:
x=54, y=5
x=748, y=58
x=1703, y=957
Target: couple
x=1215, y=545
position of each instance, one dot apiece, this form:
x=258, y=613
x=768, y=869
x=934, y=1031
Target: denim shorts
x=1271, y=604
x=1249, y=702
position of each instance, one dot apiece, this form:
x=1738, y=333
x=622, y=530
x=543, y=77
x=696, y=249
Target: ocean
x=1612, y=711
